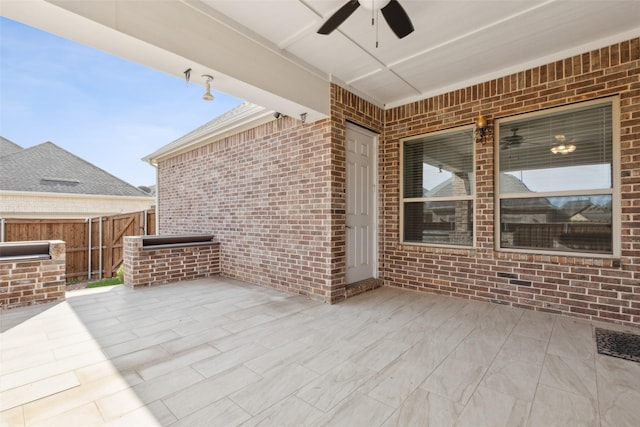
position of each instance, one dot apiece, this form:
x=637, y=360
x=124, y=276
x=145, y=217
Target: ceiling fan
x=513, y=140
x=392, y=11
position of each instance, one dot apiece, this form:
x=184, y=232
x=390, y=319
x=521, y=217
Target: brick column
x=28, y=282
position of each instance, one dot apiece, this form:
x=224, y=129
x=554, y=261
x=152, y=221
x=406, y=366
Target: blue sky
x=104, y=109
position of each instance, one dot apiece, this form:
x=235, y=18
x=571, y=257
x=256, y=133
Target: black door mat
x=618, y=344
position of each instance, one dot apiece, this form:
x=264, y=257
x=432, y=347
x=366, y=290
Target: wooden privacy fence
x=94, y=246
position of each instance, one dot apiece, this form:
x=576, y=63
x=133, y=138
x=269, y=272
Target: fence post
x=2, y=224
x=89, y=251
x=108, y=237
x=100, y=249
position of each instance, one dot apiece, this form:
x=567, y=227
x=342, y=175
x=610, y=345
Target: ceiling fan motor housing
x=373, y=4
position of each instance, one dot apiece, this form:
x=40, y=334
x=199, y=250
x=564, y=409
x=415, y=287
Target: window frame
x=472, y=196
x=614, y=191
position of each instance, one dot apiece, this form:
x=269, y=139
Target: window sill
x=563, y=258
x=448, y=249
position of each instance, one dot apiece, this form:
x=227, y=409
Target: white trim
x=9, y=193
x=245, y=116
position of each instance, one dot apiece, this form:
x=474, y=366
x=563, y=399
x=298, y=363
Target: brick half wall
x=145, y=267
x=33, y=281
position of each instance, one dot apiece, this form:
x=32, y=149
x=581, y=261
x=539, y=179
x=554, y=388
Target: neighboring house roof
x=593, y=213
x=574, y=207
x=444, y=189
x=508, y=184
x=149, y=189
x=51, y=169
x=8, y=147
x=244, y=116
x=511, y=184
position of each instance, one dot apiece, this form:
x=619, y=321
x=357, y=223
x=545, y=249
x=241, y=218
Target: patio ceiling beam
x=172, y=36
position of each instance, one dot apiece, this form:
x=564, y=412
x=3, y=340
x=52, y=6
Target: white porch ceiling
x=268, y=51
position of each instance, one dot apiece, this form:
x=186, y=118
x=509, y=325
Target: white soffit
x=268, y=51
x=172, y=36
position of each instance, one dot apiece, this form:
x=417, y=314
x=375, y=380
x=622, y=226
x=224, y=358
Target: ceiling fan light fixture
x=560, y=138
x=563, y=149
x=563, y=145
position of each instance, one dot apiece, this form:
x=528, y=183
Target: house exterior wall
x=23, y=204
x=274, y=197
x=266, y=195
x=583, y=286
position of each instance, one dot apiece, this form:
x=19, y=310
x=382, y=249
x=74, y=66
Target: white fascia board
x=11, y=193
x=219, y=128
x=172, y=36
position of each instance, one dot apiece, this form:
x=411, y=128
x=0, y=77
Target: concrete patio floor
x=219, y=352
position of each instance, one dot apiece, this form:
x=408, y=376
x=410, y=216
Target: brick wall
x=27, y=282
x=588, y=287
x=274, y=196
x=266, y=194
x=151, y=267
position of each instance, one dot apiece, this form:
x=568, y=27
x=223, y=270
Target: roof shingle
x=49, y=168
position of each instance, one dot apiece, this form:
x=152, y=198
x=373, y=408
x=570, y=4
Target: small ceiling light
x=562, y=147
x=207, y=95
x=481, y=128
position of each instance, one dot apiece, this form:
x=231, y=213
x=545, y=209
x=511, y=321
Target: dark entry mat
x=618, y=344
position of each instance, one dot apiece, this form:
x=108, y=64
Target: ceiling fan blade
x=339, y=17
x=397, y=19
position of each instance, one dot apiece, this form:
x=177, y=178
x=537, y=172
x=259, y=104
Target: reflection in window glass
x=525, y=151
x=434, y=167
x=566, y=224
x=567, y=155
x=449, y=223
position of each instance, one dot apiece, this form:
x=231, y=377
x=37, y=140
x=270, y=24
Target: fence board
x=75, y=233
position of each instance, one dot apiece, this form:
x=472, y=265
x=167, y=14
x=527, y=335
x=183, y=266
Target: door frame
x=375, y=217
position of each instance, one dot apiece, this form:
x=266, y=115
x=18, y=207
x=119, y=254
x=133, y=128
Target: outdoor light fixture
x=187, y=76
x=207, y=95
x=481, y=128
x=562, y=147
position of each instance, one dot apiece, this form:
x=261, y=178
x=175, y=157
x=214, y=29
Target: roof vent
x=61, y=180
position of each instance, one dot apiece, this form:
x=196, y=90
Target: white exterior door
x=361, y=201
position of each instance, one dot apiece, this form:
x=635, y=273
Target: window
x=438, y=188
x=556, y=184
